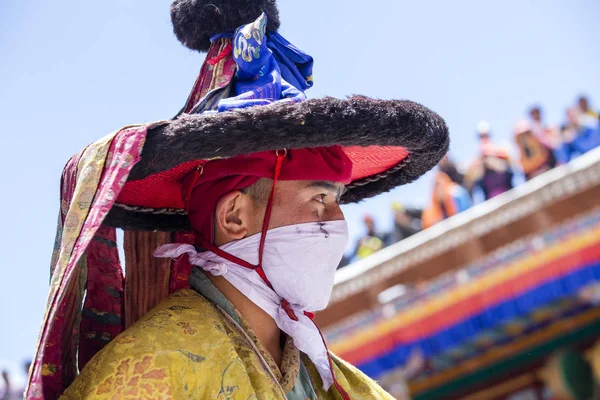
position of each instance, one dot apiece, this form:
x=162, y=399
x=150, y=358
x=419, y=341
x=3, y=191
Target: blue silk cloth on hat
x=270, y=69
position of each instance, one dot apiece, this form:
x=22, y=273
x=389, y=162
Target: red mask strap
x=280, y=156
x=340, y=389
x=259, y=269
x=236, y=260
x=223, y=254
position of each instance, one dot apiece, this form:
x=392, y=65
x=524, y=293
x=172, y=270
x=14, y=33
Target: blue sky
x=73, y=71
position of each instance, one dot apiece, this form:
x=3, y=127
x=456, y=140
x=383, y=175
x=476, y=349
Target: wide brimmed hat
x=390, y=142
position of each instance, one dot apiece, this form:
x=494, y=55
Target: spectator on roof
x=589, y=117
x=448, y=199
x=536, y=156
x=568, y=133
x=547, y=135
x=491, y=172
x=405, y=224
x=579, y=135
x=9, y=392
x=371, y=242
x=6, y=392
x=449, y=167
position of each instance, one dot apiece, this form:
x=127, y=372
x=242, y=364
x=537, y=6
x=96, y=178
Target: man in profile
x=243, y=188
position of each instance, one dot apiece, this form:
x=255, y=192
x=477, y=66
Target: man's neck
x=267, y=331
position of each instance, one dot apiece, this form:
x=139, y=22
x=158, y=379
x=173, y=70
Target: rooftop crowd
x=540, y=146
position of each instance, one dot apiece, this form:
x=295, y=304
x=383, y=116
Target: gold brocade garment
x=188, y=348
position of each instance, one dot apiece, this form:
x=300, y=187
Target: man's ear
x=231, y=222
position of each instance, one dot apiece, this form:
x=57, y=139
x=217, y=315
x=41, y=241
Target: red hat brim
x=163, y=190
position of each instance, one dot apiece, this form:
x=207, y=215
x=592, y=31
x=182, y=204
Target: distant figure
x=547, y=135
x=569, y=132
x=589, y=118
x=491, y=171
x=578, y=134
x=27, y=368
x=536, y=156
x=371, y=242
x=404, y=224
x=448, y=166
x=9, y=392
x=396, y=383
x=537, y=124
x=5, y=393
x=448, y=199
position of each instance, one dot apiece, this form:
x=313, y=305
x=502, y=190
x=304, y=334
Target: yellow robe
x=188, y=348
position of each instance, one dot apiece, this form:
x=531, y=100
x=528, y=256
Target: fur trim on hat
x=195, y=21
x=357, y=121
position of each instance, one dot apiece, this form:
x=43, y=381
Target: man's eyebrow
x=331, y=186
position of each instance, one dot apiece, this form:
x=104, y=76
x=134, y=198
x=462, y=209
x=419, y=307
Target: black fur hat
x=365, y=125
x=195, y=21
x=390, y=142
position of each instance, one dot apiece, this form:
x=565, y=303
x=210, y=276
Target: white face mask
x=299, y=261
